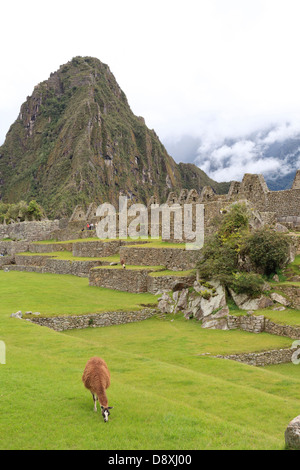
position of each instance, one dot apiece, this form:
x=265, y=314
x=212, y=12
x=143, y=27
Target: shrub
x=234, y=222
x=20, y=212
x=218, y=260
x=247, y=283
x=267, y=250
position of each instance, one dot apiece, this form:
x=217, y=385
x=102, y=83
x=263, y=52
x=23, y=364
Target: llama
x=96, y=379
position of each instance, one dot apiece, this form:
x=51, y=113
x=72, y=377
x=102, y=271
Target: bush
x=247, y=283
x=267, y=250
x=218, y=260
x=20, y=212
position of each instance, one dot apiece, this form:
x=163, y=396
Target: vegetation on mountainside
x=237, y=257
x=76, y=141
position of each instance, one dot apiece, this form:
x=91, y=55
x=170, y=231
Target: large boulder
x=217, y=321
x=280, y=299
x=206, y=299
x=165, y=304
x=292, y=434
x=245, y=302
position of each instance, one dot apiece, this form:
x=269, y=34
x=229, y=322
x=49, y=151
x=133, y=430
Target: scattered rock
x=280, y=228
x=28, y=313
x=276, y=278
x=217, y=321
x=17, y=314
x=266, y=287
x=165, y=303
x=280, y=299
x=182, y=300
x=244, y=302
x=292, y=434
x=279, y=309
x=218, y=324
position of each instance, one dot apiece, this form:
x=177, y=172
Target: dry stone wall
x=172, y=258
x=159, y=284
x=96, y=248
x=30, y=231
x=127, y=280
x=10, y=248
x=49, y=247
x=137, y=280
x=93, y=320
x=47, y=264
x=265, y=358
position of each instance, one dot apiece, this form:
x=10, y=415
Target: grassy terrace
x=58, y=294
x=162, y=244
x=168, y=272
x=133, y=267
x=164, y=367
x=144, y=242
x=67, y=255
x=226, y=405
x=286, y=317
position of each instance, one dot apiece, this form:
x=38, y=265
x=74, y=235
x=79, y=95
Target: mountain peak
x=76, y=140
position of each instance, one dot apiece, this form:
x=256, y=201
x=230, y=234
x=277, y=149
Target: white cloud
x=209, y=69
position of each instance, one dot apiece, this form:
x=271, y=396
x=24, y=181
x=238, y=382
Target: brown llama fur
x=96, y=378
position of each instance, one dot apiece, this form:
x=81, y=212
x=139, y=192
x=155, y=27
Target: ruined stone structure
x=272, y=206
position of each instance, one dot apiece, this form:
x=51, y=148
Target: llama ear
x=110, y=407
x=102, y=407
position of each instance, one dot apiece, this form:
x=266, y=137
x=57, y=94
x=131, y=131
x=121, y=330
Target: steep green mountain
x=76, y=140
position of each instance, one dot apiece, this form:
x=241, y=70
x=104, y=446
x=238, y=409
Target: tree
x=267, y=250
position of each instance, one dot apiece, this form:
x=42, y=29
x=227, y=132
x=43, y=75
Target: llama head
x=105, y=412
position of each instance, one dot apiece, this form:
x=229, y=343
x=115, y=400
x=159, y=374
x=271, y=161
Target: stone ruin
x=270, y=207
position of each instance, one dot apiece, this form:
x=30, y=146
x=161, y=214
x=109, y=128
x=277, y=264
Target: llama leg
x=95, y=402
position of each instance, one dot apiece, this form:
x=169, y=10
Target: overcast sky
x=209, y=69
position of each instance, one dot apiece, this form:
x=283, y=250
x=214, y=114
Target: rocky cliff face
x=76, y=140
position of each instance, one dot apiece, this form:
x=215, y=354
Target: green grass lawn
x=133, y=267
x=66, y=255
x=147, y=242
x=162, y=244
x=169, y=272
x=289, y=316
x=56, y=294
x=166, y=394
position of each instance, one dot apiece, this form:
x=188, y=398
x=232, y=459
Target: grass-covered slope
x=166, y=394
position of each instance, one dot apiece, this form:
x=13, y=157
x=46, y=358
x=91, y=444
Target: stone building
x=281, y=206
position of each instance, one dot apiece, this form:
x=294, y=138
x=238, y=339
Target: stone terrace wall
x=172, y=258
x=27, y=260
x=46, y=264
x=93, y=320
x=250, y=323
x=6, y=260
x=30, y=231
x=158, y=284
x=259, y=324
x=96, y=248
x=11, y=248
x=282, y=330
x=128, y=280
x=49, y=247
x=265, y=358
